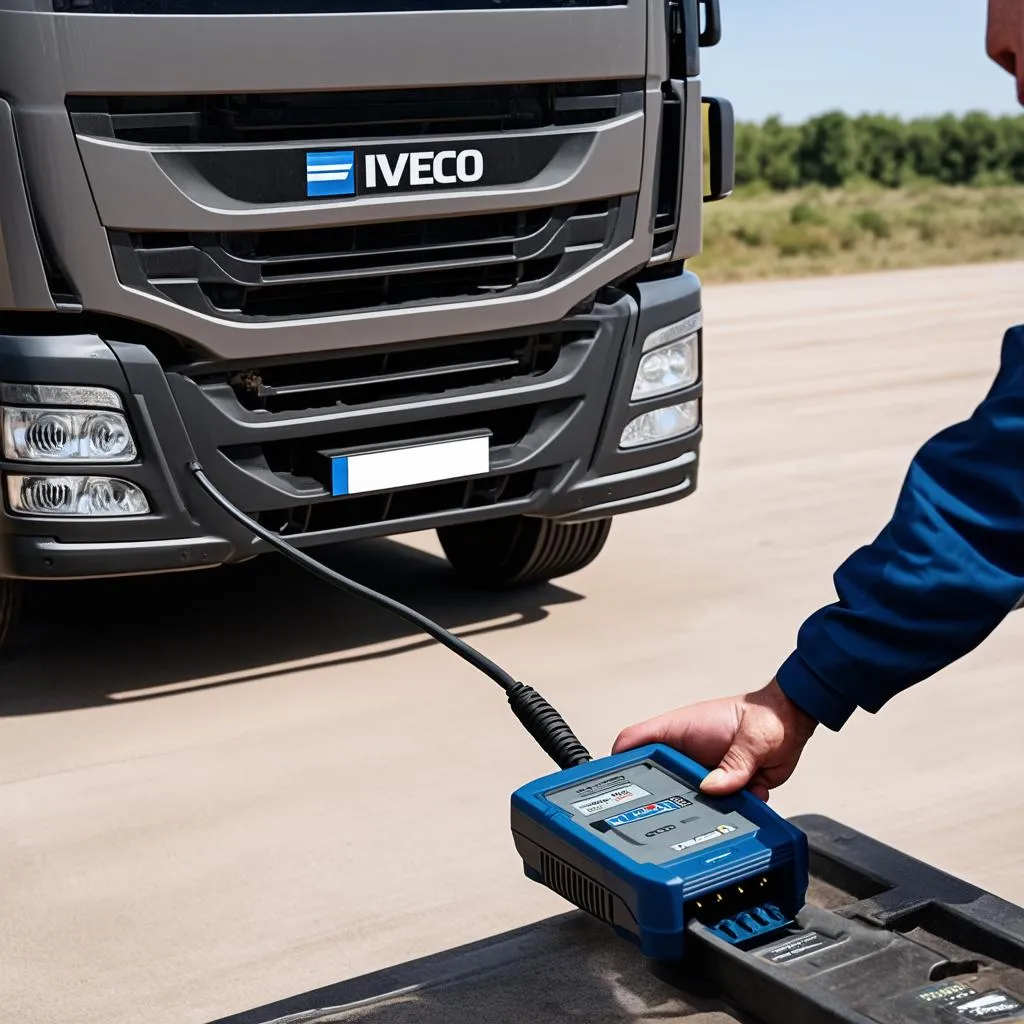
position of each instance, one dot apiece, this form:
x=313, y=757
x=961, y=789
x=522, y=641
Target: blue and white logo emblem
x=647, y=811
x=331, y=174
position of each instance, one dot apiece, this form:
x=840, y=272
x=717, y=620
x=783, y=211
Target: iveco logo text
x=448, y=167
x=333, y=173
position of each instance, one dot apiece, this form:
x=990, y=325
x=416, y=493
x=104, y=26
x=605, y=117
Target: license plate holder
x=377, y=468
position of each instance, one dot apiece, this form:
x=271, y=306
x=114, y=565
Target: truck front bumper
x=555, y=427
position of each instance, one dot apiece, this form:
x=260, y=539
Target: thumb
x=735, y=771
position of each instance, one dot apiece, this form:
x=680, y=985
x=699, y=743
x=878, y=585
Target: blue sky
x=796, y=58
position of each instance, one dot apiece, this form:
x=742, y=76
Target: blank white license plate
x=427, y=463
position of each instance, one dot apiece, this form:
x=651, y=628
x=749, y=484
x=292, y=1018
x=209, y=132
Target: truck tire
x=10, y=607
x=520, y=550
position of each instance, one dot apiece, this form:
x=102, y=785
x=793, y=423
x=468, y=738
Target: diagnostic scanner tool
x=630, y=840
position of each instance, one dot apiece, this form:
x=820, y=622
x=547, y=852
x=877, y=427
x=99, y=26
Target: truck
x=378, y=266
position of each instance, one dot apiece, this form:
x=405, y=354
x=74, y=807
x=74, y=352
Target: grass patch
x=758, y=234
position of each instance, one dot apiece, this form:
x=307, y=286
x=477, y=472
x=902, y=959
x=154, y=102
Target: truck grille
x=292, y=274
x=399, y=372
x=274, y=420
x=253, y=118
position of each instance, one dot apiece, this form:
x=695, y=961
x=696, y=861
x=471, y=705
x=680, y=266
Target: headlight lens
x=75, y=496
x=670, y=364
x=66, y=435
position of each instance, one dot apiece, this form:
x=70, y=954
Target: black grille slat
x=338, y=253
x=413, y=502
x=289, y=300
x=301, y=456
x=326, y=268
x=667, y=195
x=382, y=237
x=398, y=373
x=291, y=274
x=254, y=118
x=576, y=887
x=420, y=377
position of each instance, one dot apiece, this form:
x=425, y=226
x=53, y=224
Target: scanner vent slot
x=576, y=887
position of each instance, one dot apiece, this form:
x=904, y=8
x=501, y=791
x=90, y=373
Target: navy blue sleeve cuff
x=809, y=692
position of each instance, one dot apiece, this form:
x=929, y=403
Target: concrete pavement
x=226, y=788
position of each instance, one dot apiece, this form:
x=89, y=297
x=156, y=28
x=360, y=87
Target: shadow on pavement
x=565, y=969
x=85, y=641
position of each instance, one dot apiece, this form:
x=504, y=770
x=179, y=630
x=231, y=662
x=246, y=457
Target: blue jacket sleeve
x=945, y=571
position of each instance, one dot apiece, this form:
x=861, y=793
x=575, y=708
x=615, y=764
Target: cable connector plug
x=547, y=727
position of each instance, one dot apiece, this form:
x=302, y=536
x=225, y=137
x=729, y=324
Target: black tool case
x=884, y=938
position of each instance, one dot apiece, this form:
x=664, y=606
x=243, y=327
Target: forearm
x=944, y=572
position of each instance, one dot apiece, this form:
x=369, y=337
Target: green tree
x=882, y=150
x=924, y=148
x=983, y=145
x=826, y=153
x=832, y=149
x=1011, y=130
x=749, y=168
x=954, y=162
x=779, y=144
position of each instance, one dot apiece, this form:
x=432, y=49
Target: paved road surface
x=232, y=788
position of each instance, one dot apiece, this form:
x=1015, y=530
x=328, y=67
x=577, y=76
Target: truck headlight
x=661, y=425
x=73, y=395
x=75, y=496
x=669, y=363
x=66, y=435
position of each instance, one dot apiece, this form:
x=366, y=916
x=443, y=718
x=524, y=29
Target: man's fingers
x=652, y=731
x=751, y=741
x=629, y=738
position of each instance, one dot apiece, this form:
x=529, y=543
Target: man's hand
x=752, y=741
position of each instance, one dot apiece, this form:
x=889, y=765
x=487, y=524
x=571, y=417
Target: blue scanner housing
x=630, y=840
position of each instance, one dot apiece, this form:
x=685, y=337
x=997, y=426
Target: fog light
x=74, y=496
x=669, y=363
x=660, y=425
x=66, y=435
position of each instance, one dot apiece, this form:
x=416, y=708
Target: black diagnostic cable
x=541, y=720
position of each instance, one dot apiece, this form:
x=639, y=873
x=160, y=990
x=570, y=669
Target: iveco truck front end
x=380, y=266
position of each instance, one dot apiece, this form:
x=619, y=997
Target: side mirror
x=719, y=149
x=711, y=33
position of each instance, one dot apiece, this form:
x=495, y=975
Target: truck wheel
x=10, y=606
x=520, y=549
